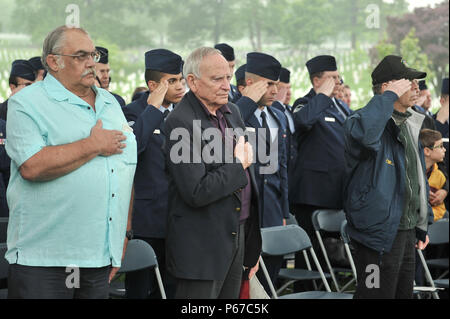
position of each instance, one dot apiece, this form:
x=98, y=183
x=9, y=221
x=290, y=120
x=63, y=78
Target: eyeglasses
x=83, y=56
x=437, y=146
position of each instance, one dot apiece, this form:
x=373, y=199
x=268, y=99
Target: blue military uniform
x=291, y=142
x=317, y=177
x=273, y=188
x=4, y=171
x=150, y=209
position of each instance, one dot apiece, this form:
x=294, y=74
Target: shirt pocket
x=129, y=154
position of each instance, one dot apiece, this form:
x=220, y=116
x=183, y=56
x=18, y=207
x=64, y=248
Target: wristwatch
x=129, y=234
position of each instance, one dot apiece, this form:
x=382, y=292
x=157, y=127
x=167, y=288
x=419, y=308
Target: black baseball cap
x=393, y=67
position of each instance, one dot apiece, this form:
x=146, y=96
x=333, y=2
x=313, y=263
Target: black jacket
x=204, y=201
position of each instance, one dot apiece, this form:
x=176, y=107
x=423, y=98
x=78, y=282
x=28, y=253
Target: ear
x=52, y=62
x=152, y=85
x=12, y=87
x=426, y=151
x=249, y=82
x=190, y=80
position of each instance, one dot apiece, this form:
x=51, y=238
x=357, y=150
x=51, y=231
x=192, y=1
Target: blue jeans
x=387, y=276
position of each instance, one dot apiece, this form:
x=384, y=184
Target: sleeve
x=25, y=137
x=311, y=112
x=247, y=107
x=363, y=130
x=144, y=125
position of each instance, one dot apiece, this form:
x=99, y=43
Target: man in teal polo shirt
x=73, y=162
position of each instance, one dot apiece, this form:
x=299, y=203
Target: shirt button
x=110, y=219
x=112, y=171
x=89, y=108
x=113, y=195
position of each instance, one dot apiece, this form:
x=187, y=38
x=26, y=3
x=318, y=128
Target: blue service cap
x=444, y=89
x=163, y=60
x=263, y=65
x=23, y=69
x=240, y=72
x=227, y=51
x=423, y=85
x=104, y=55
x=285, y=75
x=36, y=63
x=321, y=63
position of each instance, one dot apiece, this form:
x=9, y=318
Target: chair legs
x=428, y=274
x=269, y=281
x=160, y=283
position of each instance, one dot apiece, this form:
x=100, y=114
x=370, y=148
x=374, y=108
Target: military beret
x=36, y=63
x=104, y=55
x=263, y=65
x=227, y=51
x=321, y=63
x=423, y=85
x=163, y=60
x=285, y=75
x=240, y=72
x=23, y=69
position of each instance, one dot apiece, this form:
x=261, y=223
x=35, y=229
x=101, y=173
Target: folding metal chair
x=140, y=255
x=346, y=240
x=329, y=220
x=284, y=240
x=438, y=234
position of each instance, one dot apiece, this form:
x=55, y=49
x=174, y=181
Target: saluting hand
x=108, y=142
x=255, y=91
x=156, y=98
x=327, y=87
x=399, y=87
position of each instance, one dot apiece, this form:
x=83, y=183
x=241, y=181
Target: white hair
x=192, y=64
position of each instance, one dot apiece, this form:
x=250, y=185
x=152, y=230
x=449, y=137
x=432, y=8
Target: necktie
x=166, y=112
x=267, y=129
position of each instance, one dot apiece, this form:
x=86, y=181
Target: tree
x=431, y=28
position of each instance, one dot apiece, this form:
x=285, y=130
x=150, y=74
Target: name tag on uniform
x=330, y=119
x=250, y=129
x=157, y=131
x=127, y=128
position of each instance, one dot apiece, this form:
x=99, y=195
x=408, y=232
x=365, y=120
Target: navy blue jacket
x=150, y=181
x=375, y=176
x=4, y=170
x=319, y=169
x=291, y=141
x=273, y=188
x=234, y=95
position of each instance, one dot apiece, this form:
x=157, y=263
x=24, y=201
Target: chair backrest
x=291, y=220
x=139, y=255
x=438, y=232
x=344, y=234
x=3, y=229
x=328, y=219
x=284, y=240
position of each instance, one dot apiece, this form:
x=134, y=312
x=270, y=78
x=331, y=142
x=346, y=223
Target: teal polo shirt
x=78, y=219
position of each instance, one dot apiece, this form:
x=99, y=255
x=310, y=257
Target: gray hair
x=54, y=43
x=192, y=64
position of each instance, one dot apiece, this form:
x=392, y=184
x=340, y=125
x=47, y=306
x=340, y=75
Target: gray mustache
x=89, y=71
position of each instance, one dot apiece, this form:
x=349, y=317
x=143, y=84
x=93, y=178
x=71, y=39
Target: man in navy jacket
x=386, y=189
x=146, y=116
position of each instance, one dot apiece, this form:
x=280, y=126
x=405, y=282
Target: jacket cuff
x=421, y=234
